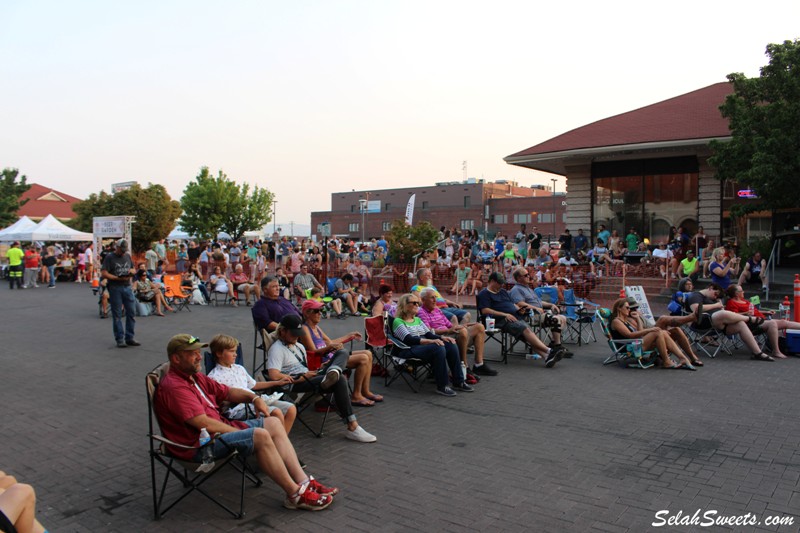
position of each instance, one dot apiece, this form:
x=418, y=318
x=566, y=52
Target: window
x=467, y=224
x=544, y=218
x=386, y=226
x=387, y=206
x=758, y=228
x=425, y=204
x=353, y=227
x=522, y=218
x=467, y=202
x=352, y=208
x=500, y=219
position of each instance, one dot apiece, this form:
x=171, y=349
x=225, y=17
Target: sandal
x=377, y=398
x=362, y=403
x=697, y=362
x=762, y=357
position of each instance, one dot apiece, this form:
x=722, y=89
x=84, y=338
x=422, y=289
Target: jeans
x=341, y=393
x=119, y=296
x=440, y=358
x=52, y=271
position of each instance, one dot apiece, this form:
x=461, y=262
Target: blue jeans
x=52, y=271
x=440, y=358
x=450, y=312
x=241, y=441
x=119, y=296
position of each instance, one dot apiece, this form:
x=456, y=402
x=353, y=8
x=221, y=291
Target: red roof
x=693, y=115
x=43, y=201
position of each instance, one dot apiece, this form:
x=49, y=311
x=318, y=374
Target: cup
x=489, y=323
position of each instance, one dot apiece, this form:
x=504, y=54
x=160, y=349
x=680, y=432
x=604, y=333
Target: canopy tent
x=49, y=229
x=23, y=224
x=179, y=234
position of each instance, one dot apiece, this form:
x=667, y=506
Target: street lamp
x=554, y=207
x=274, y=216
x=362, y=202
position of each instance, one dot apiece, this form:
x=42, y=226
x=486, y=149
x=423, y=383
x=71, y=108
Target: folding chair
x=581, y=315
x=496, y=335
x=189, y=473
x=627, y=353
x=377, y=341
x=174, y=292
x=412, y=370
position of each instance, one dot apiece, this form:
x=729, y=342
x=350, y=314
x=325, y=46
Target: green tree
x=407, y=241
x=764, y=113
x=10, y=193
x=211, y=204
x=153, y=208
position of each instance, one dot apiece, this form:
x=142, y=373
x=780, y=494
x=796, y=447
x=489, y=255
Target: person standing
x=118, y=270
x=31, y=268
x=15, y=255
x=49, y=262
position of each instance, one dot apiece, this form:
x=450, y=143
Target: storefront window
x=650, y=196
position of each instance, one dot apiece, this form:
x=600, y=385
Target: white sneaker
x=361, y=435
x=330, y=379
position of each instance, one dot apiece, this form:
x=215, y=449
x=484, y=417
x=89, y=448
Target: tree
x=407, y=241
x=211, y=204
x=153, y=208
x=10, y=193
x=764, y=113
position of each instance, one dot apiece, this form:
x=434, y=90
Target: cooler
x=793, y=340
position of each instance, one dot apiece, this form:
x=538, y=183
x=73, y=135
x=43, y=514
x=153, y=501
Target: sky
x=307, y=98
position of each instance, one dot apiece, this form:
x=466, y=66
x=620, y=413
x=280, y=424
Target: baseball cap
x=122, y=244
x=293, y=324
x=311, y=304
x=632, y=302
x=184, y=341
x=497, y=277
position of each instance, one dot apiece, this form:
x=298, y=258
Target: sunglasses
x=415, y=302
x=315, y=310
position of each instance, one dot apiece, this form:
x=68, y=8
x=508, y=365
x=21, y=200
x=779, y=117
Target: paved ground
x=576, y=448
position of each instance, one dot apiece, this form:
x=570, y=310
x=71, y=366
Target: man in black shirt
x=118, y=270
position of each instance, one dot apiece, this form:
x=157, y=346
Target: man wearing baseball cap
x=495, y=301
x=186, y=402
x=118, y=271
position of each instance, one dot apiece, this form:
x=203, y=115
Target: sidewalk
x=579, y=447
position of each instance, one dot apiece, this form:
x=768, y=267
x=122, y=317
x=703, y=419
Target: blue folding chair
x=580, y=318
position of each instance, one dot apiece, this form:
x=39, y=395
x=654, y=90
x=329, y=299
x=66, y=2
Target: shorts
x=241, y=441
x=514, y=328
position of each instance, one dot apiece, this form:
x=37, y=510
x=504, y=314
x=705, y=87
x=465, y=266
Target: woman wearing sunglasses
x=320, y=345
x=421, y=343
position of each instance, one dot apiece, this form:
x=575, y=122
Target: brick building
x=499, y=206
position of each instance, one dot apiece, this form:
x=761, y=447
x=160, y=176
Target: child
x=462, y=274
x=336, y=303
x=361, y=301
x=227, y=372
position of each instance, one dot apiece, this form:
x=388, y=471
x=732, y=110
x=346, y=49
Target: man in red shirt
x=31, y=267
x=186, y=401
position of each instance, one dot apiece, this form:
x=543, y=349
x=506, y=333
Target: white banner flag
x=410, y=209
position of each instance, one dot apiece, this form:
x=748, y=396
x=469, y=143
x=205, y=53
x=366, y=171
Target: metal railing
x=774, y=257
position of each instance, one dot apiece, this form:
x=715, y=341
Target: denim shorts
x=241, y=441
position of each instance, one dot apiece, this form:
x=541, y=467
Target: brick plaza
x=580, y=447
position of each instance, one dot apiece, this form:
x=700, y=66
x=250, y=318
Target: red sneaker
x=308, y=500
x=321, y=489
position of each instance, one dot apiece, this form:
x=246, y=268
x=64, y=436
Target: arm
x=623, y=331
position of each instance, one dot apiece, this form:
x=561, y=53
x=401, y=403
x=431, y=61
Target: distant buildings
x=43, y=201
x=500, y=206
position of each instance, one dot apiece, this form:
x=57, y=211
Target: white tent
x=23, y=224
x=179, y=234
x=49, y=229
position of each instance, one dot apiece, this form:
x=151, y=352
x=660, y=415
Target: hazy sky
x=311, y=97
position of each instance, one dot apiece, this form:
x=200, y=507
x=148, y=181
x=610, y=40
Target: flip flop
x=377, y=398
x=697, y=362
x=362, y=403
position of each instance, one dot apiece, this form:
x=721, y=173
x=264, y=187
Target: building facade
x=646, y=169
x=500, y=206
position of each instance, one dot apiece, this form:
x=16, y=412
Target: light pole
x=274, y=216
x=554, y=207
x=362, y=202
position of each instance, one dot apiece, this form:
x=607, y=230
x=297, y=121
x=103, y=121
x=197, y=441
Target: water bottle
x=785, y=308
x=464, y=371
x=208, y=454
x=750, y=309
x=533, y=356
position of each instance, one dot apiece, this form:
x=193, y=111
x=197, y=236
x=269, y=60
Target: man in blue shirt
x=494, y=301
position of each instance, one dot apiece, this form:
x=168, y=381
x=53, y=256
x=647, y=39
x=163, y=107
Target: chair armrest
x=165, y=440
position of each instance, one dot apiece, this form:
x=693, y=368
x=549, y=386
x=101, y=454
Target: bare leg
x=679, y=337
x=462, y=341
x=18, y=503
x=742, y=330
x=771, y=328
x=477, y=334
x=362, y=363
x=656, y=340
x=535, y=343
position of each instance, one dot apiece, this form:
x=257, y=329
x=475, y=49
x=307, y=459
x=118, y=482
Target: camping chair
x=189, y=473
x=377, y=341
x=627, y=353
x=547, y=295
x=705, y=337
x=412, y=370
x=497, y=335
x=580, y=319
x=174, y=292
